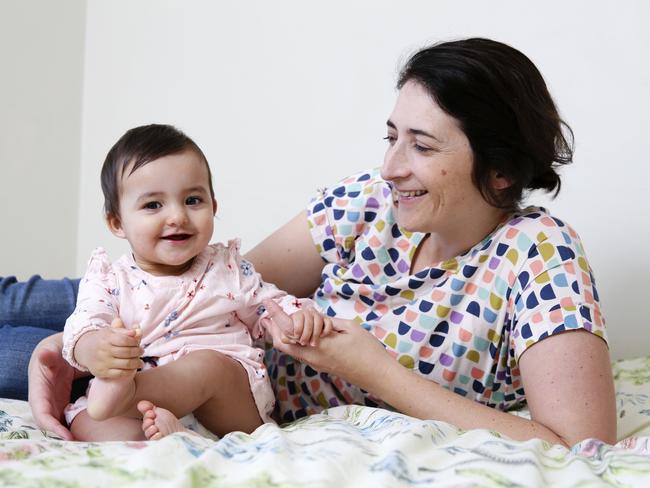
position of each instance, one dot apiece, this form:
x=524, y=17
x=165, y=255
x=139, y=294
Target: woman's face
x=429, y=162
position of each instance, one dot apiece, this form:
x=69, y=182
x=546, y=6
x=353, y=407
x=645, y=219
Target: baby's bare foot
x=158, y=422
x=110, y=398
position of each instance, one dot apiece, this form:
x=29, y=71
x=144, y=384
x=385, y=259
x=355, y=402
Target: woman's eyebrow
x=415, y=132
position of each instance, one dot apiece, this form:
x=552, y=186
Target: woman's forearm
x=555, y=372
x=418, y=397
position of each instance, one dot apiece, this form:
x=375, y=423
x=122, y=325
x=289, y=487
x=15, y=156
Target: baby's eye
x=193, y=200
x=152, y=205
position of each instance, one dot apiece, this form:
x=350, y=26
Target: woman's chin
x=409, y=225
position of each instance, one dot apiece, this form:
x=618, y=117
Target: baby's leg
x=158, y=422
x=206, y=382
x=84, y=428
x=233, y=408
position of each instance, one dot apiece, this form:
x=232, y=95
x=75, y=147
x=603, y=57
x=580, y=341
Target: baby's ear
x=115, y=225
x=214, y=206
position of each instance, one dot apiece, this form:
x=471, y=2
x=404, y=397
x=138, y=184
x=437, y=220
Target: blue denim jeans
x=29, y=312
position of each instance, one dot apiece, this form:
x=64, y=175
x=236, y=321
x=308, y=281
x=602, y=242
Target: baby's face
x=166, y=212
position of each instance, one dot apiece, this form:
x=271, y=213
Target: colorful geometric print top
x=463, y=323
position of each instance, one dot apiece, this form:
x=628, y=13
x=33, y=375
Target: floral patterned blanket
x=344, y=446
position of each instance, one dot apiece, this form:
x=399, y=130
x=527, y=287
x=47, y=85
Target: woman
x=453, y=303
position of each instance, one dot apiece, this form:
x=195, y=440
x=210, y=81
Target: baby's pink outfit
x=216, y=304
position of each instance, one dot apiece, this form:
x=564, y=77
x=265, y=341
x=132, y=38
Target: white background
x=287, y=96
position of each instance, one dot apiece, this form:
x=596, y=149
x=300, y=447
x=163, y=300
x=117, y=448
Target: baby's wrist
x=84, y=345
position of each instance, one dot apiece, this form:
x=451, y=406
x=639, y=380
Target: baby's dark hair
x=142, y=145
x=503, y=106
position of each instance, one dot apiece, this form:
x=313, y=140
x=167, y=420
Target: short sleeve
x=558, y=292
x=338, y=215
x=97, y=304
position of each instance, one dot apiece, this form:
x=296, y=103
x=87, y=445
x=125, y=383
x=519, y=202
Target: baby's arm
x=89, y=341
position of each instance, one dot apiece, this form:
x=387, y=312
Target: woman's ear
x=499, y=181
x=115, y=225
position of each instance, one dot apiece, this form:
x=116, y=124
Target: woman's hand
x=50, y=384
x=110, y=352
x=350, y=352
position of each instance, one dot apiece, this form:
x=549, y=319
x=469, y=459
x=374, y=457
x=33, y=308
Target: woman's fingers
x=327, y=327
x=50, y=380
x=51, y=424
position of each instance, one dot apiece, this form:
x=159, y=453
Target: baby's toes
x=146, y=423
x=145, y=406
x=151, y=432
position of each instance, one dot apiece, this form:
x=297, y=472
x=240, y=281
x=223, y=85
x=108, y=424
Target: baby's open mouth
x=177, y=237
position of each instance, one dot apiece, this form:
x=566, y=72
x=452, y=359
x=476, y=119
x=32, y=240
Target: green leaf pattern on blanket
x=344, y=446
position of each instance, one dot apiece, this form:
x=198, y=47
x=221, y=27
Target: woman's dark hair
x=502, y=104
x=142, y=145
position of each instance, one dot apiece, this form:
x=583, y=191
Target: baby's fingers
x=298, y=320
x=126, y=352
x=308, y=330
x=125, y=338
x=318, y=324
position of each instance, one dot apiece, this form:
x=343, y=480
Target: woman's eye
x=421, y=149
x=193, y=200
x=152, y=205
x=391, y=139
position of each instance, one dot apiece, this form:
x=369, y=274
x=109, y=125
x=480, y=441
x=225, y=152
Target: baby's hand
x=111, y=352
x=308, y=327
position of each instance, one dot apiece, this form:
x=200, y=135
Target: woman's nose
x=395, y=164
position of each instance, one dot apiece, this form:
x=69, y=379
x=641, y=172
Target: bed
x=344, y=446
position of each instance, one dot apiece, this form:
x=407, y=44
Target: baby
x=190, y=310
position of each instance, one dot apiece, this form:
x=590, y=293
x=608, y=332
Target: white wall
x=41, y=51
x=286, y=96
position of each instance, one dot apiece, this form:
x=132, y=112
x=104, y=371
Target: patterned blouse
x=463, y=323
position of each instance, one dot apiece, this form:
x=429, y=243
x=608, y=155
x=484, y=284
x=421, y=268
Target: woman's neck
x=438, y=247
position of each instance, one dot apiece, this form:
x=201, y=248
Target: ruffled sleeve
x=97, y=304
